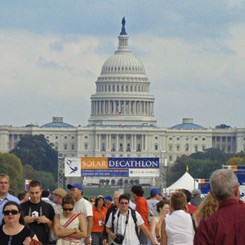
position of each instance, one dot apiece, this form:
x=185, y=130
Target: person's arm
x=60, y=231
x=82, y=232
x=44, y=220
x=158, y=228
x=87, y=239
x=110, y=233
x=148, y=234
x=153, y=226
x=163, y=233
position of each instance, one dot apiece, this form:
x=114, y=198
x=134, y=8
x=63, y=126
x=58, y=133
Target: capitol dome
x=122, y=90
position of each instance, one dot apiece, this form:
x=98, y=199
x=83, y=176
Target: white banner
x=73, y=167
x=143, y=172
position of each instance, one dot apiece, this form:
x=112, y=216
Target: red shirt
x=99, y=219
x=191, y=208
x=142, y=209
x=225, y=227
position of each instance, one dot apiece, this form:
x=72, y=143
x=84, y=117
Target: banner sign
x=112, y=167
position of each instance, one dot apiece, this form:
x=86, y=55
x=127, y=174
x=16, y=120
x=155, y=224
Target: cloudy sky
x=52, y=51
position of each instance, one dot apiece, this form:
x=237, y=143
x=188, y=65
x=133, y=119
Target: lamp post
x=163, y=172
x=60, y=170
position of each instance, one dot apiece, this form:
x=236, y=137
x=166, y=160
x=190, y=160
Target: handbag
x=35, y=242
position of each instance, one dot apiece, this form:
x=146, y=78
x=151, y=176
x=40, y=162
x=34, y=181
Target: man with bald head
x=226, y=225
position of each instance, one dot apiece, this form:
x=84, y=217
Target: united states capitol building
x=122, y=122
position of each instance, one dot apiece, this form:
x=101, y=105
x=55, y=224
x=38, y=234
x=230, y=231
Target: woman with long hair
x=13, y=230
x=69, y=226
x=207, y=207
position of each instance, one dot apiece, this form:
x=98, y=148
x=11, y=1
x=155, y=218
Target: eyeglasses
x=124, y=203
x=8, y=212
x=67, y=209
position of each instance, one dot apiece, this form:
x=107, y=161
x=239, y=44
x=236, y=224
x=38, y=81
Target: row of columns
x=109, y=139
x=109, y=107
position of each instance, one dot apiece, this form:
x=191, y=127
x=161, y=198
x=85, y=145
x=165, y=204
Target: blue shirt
x=9, y=197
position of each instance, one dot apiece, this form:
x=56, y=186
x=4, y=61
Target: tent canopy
x=186, y=181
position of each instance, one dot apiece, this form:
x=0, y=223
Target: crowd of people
x=69, y=218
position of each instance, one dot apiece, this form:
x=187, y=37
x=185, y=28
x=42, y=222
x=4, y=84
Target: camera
x=34, y=214
x=119, y=238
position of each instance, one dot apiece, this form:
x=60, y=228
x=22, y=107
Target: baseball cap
x=59, y=192
x=99, y=196
x=109, y=198
x=76, y=185
x=154, y=191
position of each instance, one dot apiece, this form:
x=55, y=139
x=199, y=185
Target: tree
x=37, y=152
x=12, y=166
x=113, y=182
x=236, y=161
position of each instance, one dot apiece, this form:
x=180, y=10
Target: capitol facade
x=122, y=121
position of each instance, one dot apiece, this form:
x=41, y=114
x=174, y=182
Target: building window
x=128, y=147
x=113, y=147
x=203, y=139
x=196, y=148
x=72, y=146
x=156, y=147
x=103, y=147
x=120, y=147
x=177, y=147
x=86, y=146
x=196, y=138
x=203, y=147
x=65, y=146
x=170, y=148
x=138, y=147
x=187, y=147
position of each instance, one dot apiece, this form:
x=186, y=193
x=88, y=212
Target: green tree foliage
x=12, y=166
x=200, y=164
x=35, y=151
x=46, y=178
x=236, y=161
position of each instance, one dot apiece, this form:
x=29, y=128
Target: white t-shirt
x=86, y=208
x=152, y=205
x=179, y=228
x=119, y=227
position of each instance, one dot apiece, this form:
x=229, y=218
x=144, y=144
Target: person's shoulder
x=11, y=197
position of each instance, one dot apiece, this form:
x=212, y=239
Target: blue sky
x=52, y=52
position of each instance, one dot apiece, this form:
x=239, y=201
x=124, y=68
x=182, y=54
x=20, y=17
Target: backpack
x=133, y=213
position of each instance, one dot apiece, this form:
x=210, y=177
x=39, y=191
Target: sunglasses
x=8, y=212
x=67, y=209
x=125, y=203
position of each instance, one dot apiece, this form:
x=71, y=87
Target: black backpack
x=133, y=213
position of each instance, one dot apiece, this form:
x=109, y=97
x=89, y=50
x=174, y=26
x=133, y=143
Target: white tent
x=186, y=181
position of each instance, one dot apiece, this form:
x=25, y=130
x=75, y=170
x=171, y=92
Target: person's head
x=207, y=207
x=46, y=193
x=35, y=191
x=178, y=201
x=108, y=200
x=76, y=190
x=137, y=190
x=58, y=195
x=23, y=196
x=67, y=205
x=116, y=196
x=154, y=193
x=224, y=184
x=195, y=193
x=92, y=200
x=12, y=213
x=4, y=184
x=188, y=194
x=163, y=207
x=99, y=201
x=123, y=203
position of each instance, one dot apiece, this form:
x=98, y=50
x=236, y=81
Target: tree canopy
x=12, y=166
x=34, y=150
x=200, y=164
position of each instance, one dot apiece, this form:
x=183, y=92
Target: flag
x=187, y=168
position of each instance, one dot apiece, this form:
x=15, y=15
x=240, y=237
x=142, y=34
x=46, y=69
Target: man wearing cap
x=152, y=203
x=58, y=193
x=82, y=206
x=108, y=201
